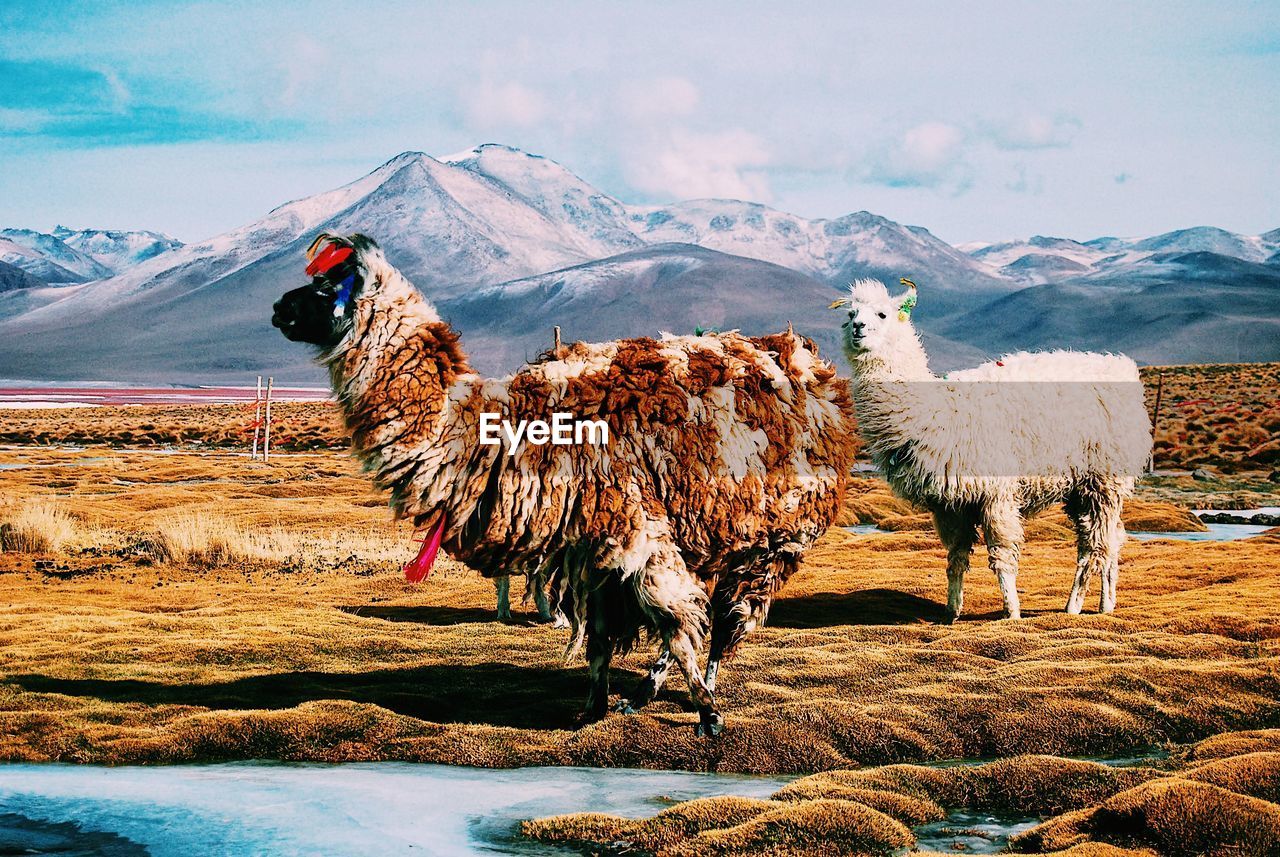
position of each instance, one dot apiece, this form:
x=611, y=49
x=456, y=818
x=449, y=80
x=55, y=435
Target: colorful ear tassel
x=343, y=296
x=328, y=259
x=909, y=302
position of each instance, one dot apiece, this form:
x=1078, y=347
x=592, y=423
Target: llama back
x=743, y=443
x=1053, y=366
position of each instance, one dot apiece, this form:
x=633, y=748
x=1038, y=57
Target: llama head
x=343, y=269
x=879, y=323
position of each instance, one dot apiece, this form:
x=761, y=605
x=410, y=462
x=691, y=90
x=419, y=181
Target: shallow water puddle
x=1216, y=533
x=352, y=809
x=967, y=832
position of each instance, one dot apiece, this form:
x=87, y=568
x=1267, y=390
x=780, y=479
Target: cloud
x=1025, y=181
x=687, y=164
x=931, y=154
x=506, y=104
x=1121, y=178
x=1033, y=132
x=663, y=96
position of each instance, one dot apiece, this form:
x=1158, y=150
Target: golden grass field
x=1225, y=416
x=191, y=605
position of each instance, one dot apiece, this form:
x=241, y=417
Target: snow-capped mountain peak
x=117, y=249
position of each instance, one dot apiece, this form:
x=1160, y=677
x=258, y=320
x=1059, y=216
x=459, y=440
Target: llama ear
x=362, y=242
x=319, y=243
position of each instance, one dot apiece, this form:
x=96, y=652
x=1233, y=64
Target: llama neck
x=905, y=362
x=884, y=385
x=393, y=374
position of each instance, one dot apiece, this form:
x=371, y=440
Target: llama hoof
x=623, y=706
x=710, y=724
x=950, y=619
x=504, y=618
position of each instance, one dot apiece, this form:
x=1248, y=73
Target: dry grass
x=1225, y=416
x=35, y=526
x=280, y=627
x=1223, y=808
x=295, y=426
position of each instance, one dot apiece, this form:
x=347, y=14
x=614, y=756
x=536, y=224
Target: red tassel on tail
x=420, y=569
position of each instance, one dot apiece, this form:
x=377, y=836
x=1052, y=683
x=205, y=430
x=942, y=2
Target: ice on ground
x=355, y=809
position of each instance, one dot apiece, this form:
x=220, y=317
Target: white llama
x=987, y=447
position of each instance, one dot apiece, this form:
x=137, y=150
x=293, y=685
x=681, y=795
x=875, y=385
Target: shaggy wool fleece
x=727, y=458
x=985, y=448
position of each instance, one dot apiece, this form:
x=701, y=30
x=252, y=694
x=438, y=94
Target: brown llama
x=726, y=458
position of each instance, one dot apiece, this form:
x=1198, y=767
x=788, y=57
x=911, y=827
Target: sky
x=980, y=121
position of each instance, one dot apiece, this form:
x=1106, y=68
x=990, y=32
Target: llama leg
x=599, y=654
x=684, y=648
x=503, y=585
x=1082, y=519
x=1113, y=538
x=1002, y=528
x=540, y=600
x=958, y=533
x=1099, y=533
x=678, y=603
x=648, y=687
x=728, y=615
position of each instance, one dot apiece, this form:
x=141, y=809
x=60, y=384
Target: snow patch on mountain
x=48, y=257
x=116, y=249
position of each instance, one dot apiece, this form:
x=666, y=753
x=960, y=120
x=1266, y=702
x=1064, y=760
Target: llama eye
x=880, y=314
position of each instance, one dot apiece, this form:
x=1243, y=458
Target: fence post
x=257, y=419
x=1155, y=420
x=556, y=335
x=266, y=435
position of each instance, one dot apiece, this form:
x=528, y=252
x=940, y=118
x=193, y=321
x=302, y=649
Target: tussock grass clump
x=733, y=825
x=818, y=828
x=203, y=540
x=200, y=539
x=37, y=526
x=1039, y=784
x=909, y=809
x=1157, y=517
x=654, y=835
x=1253, y=774
x=1177, y=817
x=1236, y=744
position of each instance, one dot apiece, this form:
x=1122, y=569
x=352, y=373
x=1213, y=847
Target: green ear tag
x=904, y=311
x=909, y=302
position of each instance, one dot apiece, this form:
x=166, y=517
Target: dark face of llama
x=306, y=314
x=319, y=313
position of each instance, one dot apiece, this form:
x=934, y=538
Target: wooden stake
x=556, y=334
x=266, y=435
x=257, y=420
x=1155, y=420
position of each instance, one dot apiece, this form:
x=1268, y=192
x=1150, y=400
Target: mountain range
x=508, y=244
